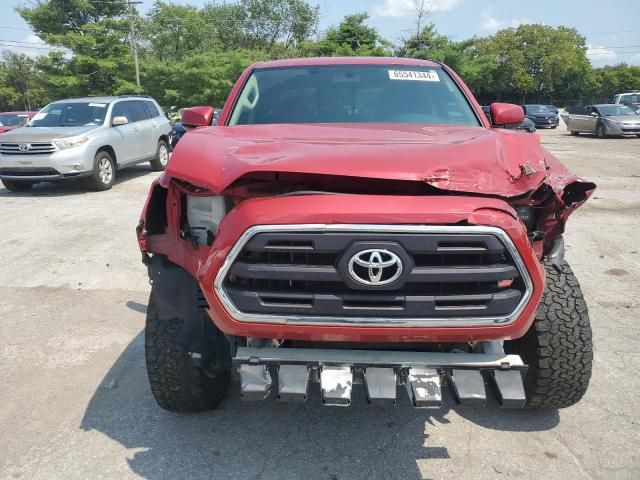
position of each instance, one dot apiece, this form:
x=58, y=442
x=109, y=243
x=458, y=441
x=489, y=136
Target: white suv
x=88, y=137
x=631, y=99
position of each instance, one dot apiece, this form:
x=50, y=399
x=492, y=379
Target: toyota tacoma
x=358, y=223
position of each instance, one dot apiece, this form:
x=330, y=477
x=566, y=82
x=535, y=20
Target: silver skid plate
x=255, y=382
x=467, y=386
x=381, y=385
x=293, y=383
x=380, y=371
x=423, y=387
x=336, y=384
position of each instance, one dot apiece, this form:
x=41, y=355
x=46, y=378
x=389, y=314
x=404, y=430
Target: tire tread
x=558, y=347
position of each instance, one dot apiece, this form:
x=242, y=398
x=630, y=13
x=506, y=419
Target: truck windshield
x=13, y=120
x=352, y=94
x=72, y=114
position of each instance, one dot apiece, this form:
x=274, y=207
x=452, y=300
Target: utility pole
x=134, y=47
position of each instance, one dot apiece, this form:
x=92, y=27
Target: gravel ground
x=76, y=402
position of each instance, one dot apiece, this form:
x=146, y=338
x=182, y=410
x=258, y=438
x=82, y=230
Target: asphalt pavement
x=75, y=401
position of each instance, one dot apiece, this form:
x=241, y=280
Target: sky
x=611, y=27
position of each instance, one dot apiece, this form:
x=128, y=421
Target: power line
x=619, y=46
x=610, y=33
x=25, y=46
x=611, y=53
x=22, y=41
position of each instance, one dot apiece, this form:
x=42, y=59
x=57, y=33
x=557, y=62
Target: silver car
x=89, y=138
x=602, y=120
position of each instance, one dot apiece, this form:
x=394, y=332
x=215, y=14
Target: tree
x=172, y=31
x=95, y=33
x=200, y=79
x=352, y=37
x=609, y=80
x=265, y=25
x=22, y=85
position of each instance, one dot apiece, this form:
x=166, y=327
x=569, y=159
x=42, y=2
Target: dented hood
x=457, y=158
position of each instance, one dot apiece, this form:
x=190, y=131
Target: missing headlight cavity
x=576, y=192
x=204, y=214
x=156, y=221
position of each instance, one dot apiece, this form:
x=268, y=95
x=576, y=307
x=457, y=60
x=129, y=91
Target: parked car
x=176, y=115
x=602, y=120
x=630, y=99
x=13, y=120
x=394, y=241
x=178, y=129
x=552, y=108
x=526, y=125
x=541, y=116
x=90, y=137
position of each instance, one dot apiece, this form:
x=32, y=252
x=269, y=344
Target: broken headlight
x=204, y=215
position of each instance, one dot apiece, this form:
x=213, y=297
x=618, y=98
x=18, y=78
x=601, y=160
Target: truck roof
x=314, y=61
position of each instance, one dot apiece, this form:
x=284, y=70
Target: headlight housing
x=612, y=121
x=204, y=215
x=70, y=142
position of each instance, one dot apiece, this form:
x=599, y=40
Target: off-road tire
x=98, y=179
x=177, y=384
x=558, y=346
x=157, y=164
x=17, y=185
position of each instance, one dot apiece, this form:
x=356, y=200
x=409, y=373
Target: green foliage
x=201, y=79
x=172, y=31
x=191, y=55
x=607, y=81
x=264, y=25
x=96, y=35
x=353, y=37
x=21, y=86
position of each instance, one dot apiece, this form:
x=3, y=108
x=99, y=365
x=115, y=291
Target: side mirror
x=506, y=114
x=197, y=116
x=594, y=114
x=117, y=121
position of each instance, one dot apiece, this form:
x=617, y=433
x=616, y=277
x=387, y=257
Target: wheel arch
x=111, y=151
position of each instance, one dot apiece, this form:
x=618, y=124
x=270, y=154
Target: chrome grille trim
x=380, y=321
x=34, y=148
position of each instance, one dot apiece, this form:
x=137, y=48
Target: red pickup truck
x=358, y=221
x=13, y=120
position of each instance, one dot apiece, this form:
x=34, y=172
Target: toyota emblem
x=24, y=147
x=375, y=267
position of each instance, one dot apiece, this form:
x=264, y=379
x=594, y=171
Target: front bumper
x=60, y=164
x=542, y=122
x=352, y=209
x=622, y=129
x=421, y=373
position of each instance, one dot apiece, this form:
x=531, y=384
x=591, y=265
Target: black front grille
x=305, y=274
x=28, y=172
